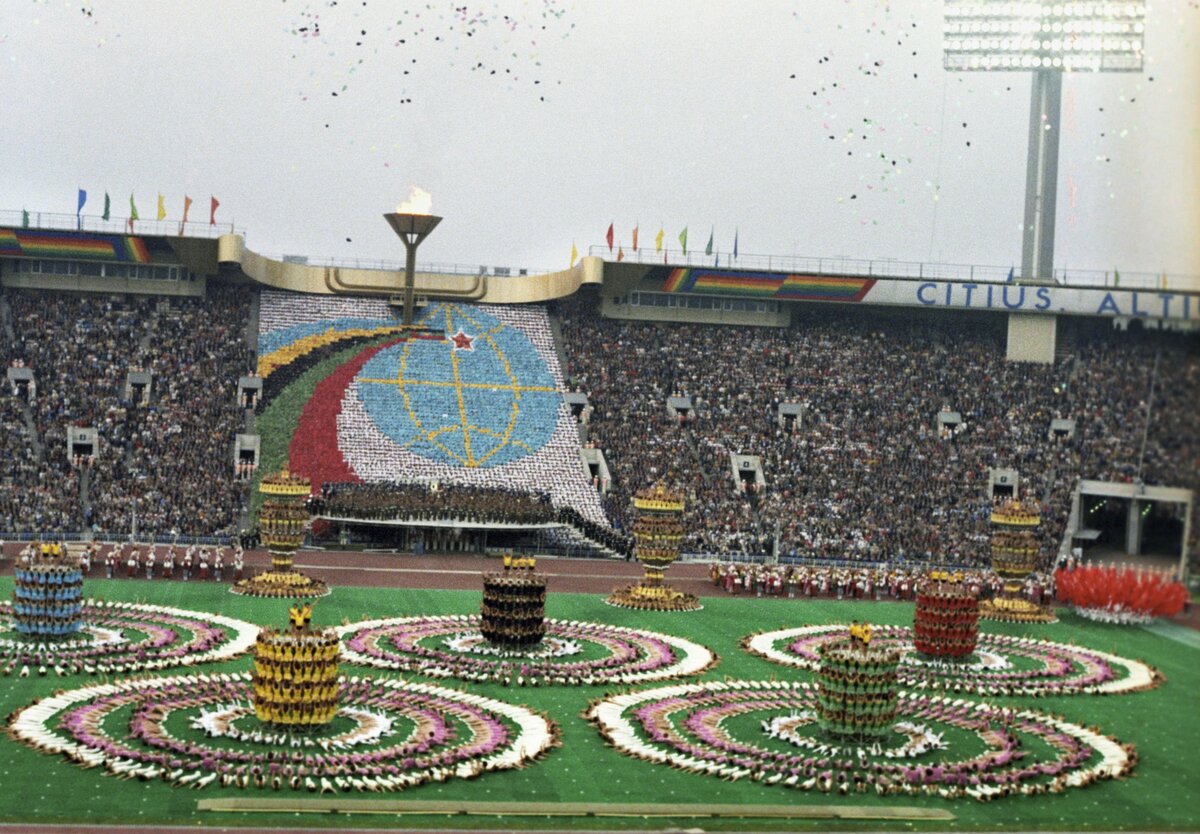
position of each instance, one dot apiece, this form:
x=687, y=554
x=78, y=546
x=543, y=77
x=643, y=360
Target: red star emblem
x=462, y=341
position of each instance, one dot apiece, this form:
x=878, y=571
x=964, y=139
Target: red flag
x=620, y=254
x=609, y=236
x=212, y=213
x=635, y=231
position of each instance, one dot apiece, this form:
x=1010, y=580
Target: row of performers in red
x=203, y=563
x=855, y=583
x=152, y=561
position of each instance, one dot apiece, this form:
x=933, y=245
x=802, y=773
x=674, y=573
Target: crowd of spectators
x=32, y=497
x=866, y=473
x=163, y=459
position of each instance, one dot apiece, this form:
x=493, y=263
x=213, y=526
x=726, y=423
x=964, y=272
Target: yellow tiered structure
x=658, y=533
x=282, y=525
x=1015, y=555
x=296, y=674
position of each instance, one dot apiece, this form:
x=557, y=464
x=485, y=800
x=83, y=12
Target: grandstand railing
x=891, y=268
x=398, y=266
x=114, y=225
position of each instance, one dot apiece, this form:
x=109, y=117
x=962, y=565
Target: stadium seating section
x=476, y=400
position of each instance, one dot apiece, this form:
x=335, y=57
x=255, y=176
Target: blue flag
x=735, y=237
x=1011, y=270
x=82, y=200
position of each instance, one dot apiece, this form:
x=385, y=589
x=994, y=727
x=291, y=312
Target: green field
x=1163, y=794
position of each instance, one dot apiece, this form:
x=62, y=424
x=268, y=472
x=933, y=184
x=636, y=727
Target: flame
x=419, y=201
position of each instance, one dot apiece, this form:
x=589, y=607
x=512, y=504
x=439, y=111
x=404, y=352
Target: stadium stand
x=864, y=476
x=166, y=461
x=868, y=476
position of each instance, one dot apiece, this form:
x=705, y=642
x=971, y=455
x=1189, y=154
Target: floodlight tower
x=1046, y=39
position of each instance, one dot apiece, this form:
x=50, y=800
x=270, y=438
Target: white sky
x=673, y=111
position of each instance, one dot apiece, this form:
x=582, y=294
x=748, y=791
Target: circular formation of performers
x=513, y=613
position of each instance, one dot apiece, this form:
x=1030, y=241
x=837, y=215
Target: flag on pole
x=620, y=254
x=735, y=241
x=1116, y=278
x=133, y=214
x=25, y=218
x=1011, y=271
x=162, y=208
x=1164, y=279
x=635, y=234
x=82, y=200
x=683, y=239
x=574, y=255
x=609, y=236
x=107, y=207
x=212, y=212
x=187, y=204
x=658, y=239
x=708, y=248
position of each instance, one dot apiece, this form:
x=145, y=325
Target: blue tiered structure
x=48, y=598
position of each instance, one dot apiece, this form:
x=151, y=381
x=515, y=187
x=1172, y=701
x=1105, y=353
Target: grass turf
x=1163, y=794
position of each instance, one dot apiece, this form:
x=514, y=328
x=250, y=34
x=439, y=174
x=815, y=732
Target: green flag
x=25, y=218
x=133, y=215
x=106, y=206
x=1116, y=278
x=683, y=239
x=708, y=249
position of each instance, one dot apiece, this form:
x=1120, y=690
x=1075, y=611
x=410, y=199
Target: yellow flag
x=658, y=239
x=574, y=254
x=162, y=209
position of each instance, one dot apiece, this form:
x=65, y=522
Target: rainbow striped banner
x=763, y=284
x=31, y=243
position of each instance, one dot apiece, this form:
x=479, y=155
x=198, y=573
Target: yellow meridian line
x=440, y=384
x=412, y=415
x=515, y=387
x=462, y=406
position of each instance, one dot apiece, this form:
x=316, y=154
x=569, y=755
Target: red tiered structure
x=946, y=624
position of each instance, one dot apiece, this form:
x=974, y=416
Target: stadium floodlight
x=412, y=227
x=1046, y=39
x=1075, y=36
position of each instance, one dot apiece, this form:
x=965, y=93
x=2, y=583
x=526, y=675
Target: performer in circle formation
x=856, y=687
x=513, y=613
x=296, y=674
